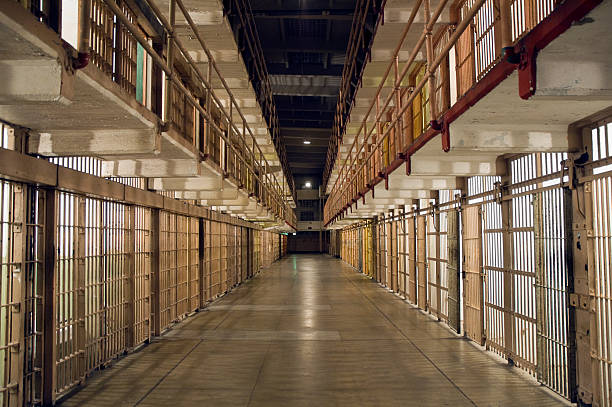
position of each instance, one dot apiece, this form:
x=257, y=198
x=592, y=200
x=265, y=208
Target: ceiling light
x=308, y=184
x=306, y=141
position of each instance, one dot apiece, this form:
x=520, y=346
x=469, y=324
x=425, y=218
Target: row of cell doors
x=511, y=304
x=395, y=253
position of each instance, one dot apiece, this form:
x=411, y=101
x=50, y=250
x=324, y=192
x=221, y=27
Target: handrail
x=267, y=181
x=341, y=116
x=254, y=42
x=397, y=83
x=355, y=173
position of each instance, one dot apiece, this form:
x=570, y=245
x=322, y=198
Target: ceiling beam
x=310, y=115
x=297, y=156
x=305, y=69
x=302, y=90
x=301, y=45
x=281, y=14
x=322, y=124
x=299, y=142
x=304, y=165
x=296, y=107
x=313, y=137
x=294, y=6
x=287, y=129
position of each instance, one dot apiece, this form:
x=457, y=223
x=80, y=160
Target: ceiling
x=304, y=44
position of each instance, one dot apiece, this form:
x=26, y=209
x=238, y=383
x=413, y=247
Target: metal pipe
x=84, y=27
x=505, y=23
x=170, y=62
x=398, y=101
x=430, y=70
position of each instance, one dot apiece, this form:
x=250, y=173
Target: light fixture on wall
x=308, y=184
x=306, y=141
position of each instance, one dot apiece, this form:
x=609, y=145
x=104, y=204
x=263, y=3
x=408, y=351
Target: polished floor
x=310, y=331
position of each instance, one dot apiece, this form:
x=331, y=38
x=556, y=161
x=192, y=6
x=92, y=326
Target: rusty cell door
x=454, y=301
x=472, y=275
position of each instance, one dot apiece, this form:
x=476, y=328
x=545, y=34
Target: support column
x=17, y=293
x=201, y=263
x=508, y=250
x=79, y=282
x=436, y=224
x=48, y=300
x=583, y=280
x=393, y=254
x=375, y=248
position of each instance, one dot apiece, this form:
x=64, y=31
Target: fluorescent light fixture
x=308, y=184
x=306, y=141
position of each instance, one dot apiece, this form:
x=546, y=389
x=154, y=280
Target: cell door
x=370, y=250
x=382, y=253
x=390, y=255
x=472, y=274
x=401, y=256
x=454, y=302
x=412, y=282
x=360, y=249
x=421, y=263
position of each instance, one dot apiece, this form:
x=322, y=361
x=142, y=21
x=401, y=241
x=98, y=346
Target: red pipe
x=81, y=61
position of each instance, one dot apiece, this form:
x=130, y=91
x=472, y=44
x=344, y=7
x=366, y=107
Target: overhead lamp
x=306, y=141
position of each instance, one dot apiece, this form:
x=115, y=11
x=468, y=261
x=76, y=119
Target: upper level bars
x=367, y=16
x=247, y=36
x=116, y=36
x=418, y=97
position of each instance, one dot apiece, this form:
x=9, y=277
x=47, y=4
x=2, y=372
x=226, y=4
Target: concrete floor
x=310, y=331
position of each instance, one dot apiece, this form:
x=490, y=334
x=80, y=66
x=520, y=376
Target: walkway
x=310, y=331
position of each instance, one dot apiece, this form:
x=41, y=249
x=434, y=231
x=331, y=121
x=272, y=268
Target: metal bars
x=81, y=277
x=512, y=296
x=453, y=269
x=473, y=275
x=535, y=244
x=389, y=135
x=600, y=197
x=124, y=50
x=552, y=281
x=113, y=48
x=142, y=275
x=19, y=269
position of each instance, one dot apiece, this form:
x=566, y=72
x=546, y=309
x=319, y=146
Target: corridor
x=310, y=331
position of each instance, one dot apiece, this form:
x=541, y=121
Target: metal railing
x=247, y=34
x=413, y=95
x=190, y=105
x=358, y=48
